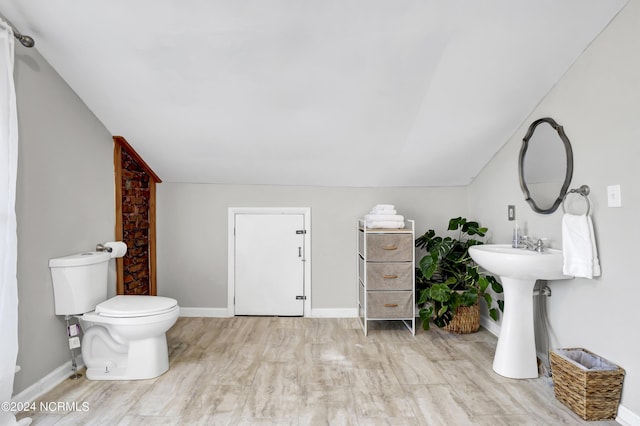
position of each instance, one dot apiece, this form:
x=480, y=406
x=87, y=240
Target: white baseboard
x=224, y=312
x=627, y=417
x=491, y=326
x=334, y=313
x=204, y=312
x=48, y=382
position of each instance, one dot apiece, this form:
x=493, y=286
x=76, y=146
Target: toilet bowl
x=125, y=336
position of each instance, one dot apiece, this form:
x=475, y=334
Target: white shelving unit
x=386, y=275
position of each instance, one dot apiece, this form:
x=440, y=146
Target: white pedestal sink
x=518, y=270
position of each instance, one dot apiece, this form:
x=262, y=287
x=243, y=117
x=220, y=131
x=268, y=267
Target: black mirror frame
x=567, y=180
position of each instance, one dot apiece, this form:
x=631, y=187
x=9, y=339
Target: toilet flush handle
x=102, y=247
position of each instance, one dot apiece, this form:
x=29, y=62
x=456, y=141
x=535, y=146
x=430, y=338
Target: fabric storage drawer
x=388, y=276
x=390, y=304
x=389, y=247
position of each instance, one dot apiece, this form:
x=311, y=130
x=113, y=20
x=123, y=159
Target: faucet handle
x=540, y=246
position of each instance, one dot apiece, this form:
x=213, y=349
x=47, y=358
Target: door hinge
x=301, y=297
x=301, y=231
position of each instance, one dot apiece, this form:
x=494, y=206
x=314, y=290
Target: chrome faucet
x=527, y=243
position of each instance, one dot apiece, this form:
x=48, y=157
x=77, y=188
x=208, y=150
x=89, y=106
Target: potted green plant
x=448, y=281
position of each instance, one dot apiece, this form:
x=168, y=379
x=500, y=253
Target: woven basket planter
x=466, y=320
x=592, y=393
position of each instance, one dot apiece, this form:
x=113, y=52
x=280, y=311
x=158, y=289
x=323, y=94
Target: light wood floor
x=303, y=371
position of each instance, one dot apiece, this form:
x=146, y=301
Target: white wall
x=192, y=233
x=65, y=202
x=598, y=103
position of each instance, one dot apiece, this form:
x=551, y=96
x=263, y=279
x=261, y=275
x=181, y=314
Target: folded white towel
x=380, y=207
x=384, y=224
x=384, y=217
x=383, y=212
x=579, y=247
x=383, y=209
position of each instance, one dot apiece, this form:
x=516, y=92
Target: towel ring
x=584, y=192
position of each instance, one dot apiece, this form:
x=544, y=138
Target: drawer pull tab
x=390, y=276
x=390, y=305
x=389, y=247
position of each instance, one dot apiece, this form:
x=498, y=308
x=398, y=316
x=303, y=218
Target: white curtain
x=8, y=236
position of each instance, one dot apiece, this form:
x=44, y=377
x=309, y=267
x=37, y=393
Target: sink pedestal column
x=516, y=351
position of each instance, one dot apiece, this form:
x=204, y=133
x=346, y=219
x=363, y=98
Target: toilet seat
x=170, y=315
x=135, y=306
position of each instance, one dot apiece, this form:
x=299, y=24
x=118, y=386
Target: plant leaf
x=468, y=298
x=425, y=316
x=472, y=242
x=424, y=296
x=450, y=281
x=473, y=228
x=473, y=276
x=440, y=292
x=455, y=223
x=443, y=309
x=424, y=240
x=501, y=304
x=443, y=247
x=428, y=266
x=483, y=283
x=488, y=299
x=495, y=285
x=493, y=313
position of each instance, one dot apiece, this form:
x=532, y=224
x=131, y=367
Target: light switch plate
x=614, y=196
x=511, y=212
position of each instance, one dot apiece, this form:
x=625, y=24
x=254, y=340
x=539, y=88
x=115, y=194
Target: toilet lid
x=135, y=306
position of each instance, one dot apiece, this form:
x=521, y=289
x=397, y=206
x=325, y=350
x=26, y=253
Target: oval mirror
x=545, y=165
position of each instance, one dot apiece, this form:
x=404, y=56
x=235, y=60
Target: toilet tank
x=79, y=282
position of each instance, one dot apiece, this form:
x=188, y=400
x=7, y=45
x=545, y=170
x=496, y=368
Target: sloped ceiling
x=313, y=92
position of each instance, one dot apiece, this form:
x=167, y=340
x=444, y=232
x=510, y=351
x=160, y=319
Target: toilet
x=125, y=336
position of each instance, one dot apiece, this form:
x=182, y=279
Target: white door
x=269, y=264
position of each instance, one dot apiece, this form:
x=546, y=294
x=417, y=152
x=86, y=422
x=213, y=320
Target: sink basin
x=506, y=261
x=518, y=270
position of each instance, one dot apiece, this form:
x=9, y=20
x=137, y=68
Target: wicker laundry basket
x=466, y=320
x=586, y=383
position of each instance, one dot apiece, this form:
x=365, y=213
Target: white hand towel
x=596, y=260
x=384, y=217
x=578, y=246
x=384, y=224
